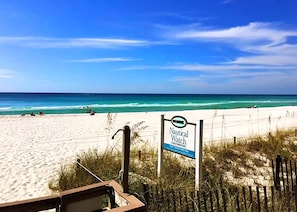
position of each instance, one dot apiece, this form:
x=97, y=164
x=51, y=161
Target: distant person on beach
x=88, y=109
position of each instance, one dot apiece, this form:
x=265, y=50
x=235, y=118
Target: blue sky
x=109, y=46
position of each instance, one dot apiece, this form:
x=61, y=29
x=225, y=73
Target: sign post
x=198, y=169
x=160, y=148
x=179, y=136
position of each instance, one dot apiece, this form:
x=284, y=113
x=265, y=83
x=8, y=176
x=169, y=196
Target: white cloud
x=14, y=40
x=233, y=78
x=102, y=60
x=275, y=83
x=47, y=42
x=6, y=74
x=270, y=60
x=267, y=42
x=233, y=75
x=279, y=55
x=253, y=32
x=233, y=66
x=182, y=16
x=223, y=67
x=284, y=49
x=143, y=67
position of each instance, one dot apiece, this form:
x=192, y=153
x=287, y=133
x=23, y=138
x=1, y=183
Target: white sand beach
x=33, y=148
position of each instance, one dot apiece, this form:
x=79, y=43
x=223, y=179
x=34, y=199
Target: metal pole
x=160, y=149
x=78, y=164
x=126, y=159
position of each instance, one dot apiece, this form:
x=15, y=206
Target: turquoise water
x=68, y=103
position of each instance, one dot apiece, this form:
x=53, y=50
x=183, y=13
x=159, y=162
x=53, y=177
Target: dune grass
x=179, y=171
x=107, y=165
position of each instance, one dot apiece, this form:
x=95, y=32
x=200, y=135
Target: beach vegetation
x=229, y=165
x=238, y=160
x=102, y=164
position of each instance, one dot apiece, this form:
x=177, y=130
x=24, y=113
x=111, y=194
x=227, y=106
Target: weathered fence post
x=251, y=198
x=287, y=174
x=124, y=172
x=224, y=200
x=237, y=200
x=283, y=178
x=157, y=197
x=291, y=174
x=258, y=199
x=273, y=170
x=193, y=201
x=126, y=158
x=272, y=198
x=162, y=196
x=180, y=198
x=295, y=170
x=265, y=199
x=186, y=201
x=198, y=200
x=278, y=162
x=167, y=197
x=295, y=195
x=244, y=198
x=218, y=200
x=146, y=195
x=174, y=201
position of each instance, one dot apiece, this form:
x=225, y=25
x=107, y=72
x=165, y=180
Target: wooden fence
x=280, y=197
x=284, y=174
x=221, y=199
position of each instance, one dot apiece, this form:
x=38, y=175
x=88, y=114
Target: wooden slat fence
x=280, y=197
x=239, y=199
x=284, y=174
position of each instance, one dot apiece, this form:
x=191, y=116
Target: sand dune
x=32, y=149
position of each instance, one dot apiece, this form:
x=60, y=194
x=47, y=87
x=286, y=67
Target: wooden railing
x=97, y=197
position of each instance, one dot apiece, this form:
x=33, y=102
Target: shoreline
x=38, y=112
x=33, y=148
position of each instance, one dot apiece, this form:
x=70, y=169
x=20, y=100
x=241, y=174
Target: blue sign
x=179, y=150
x=180, y=136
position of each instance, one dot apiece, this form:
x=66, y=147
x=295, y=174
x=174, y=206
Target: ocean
x=70, y=103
